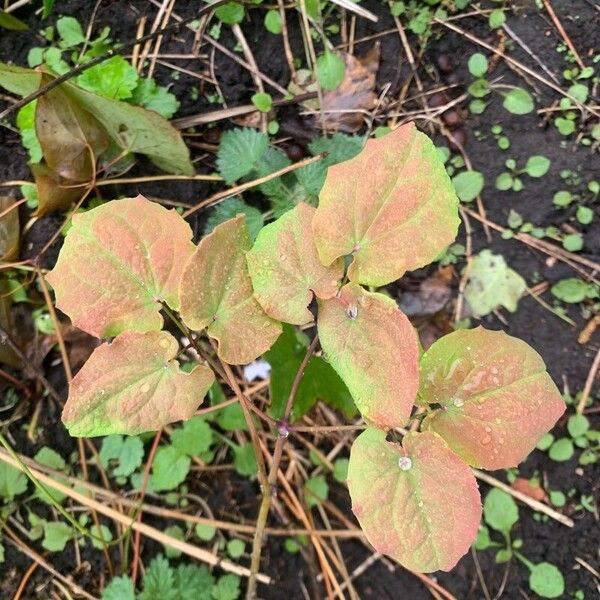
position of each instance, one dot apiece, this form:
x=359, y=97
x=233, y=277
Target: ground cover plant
x=298, y=300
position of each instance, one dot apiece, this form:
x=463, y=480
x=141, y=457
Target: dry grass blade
x=357, y=9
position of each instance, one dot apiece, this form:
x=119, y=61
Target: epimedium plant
x=475, y=398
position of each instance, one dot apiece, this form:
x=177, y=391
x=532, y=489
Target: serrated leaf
x=118, y=262
x=159, y=580
x=113, y=78
x=374, y=349
x=231, y=208
x=497, y=400
x=216, y=292
x=239, y=152
x=286, y=270
x=193, y=582
x=120, y=588
x=417, y=503
x=372, y=205
x=154, y=97
x=193, y=438
x=133, y=385
x=320, y=381
x=169, y=468
x=492, y=283
x=128, y=451
x=227, y=588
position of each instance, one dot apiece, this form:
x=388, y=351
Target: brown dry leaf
x=355, y=95
x=529, y=488
x=7, y=355
x=432, y=296
x=80, y=345
x=9, y=229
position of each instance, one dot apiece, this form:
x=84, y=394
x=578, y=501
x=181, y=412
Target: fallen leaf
x=9, y=229
x=529, y=488
x=431, y=297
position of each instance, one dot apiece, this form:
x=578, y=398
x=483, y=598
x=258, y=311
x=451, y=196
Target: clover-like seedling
x=482, y=398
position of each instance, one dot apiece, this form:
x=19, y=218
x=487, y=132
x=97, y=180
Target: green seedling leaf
x=128, y=452
x=205, y=532
x=330, y=70
x=177, y=533
x=194, y=438
x=262, y=101
x=50, y=458
x=216, y=292
x=578, y=425
x=316, y=490
x=518, y=101
x=374, y=218
x=113, y=78
x=468, y=185
x=231, y=208
x=169, y=468
x=340, y=470
x=546, y=580
x=235, y=548
x=561, y=450
x=478, y=64
x=496, y=18
x=492, y=283
x=12, y=481
x=230, y=13
x=585, y=215
x=382, y=376
x=103, y=532
x=537, y=166
x=158, y=580
x=497, y=400
x=56, y=536
x=573, y=242
x=320, y=381
x=244, y=460
x=500, y=511
x=273, y=22
x=120, y=588
x=154, y=97
x=227, y=588
x=285, y=268
x=239, y=153
x=118, y=262
x=417, y=503
x=133, y=385
x=564, y=126
x=70, y=32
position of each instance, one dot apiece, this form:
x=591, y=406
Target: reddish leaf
x=418, y=502
x=497, y=398
x=216, y=292
x=393, y=207
x=118, y=262
x=133, y=385
x=374, y=349
x=285, y=268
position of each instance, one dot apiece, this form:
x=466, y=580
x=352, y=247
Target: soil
x=567, y=360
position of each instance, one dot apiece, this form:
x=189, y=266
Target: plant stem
x=270, y=490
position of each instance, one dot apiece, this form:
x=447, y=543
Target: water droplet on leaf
x=405, y=463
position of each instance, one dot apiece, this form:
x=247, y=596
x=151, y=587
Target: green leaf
x=330, y=70
x=572, y=290
x=235, y=548
x=8, y=21
x=230, y=13
x=492, y=283
x=579, y=91
x=418, y=502
x=227, y=588
x=285, y=268
x=483, y=541
x=320, y=381
x=585, y=215
x=273, y=22
x=70, y=32
x=244, y=460
x=169, y=468
x=133, y=385
x=26, y=125
x=216, y=293
x=193, y=582
x=231, y=208
x=497, y=400
x=159, y=580
x=561, y=450
x=56, y=536
x=205, y=532
x=111, y=273
x=239, y=153
x=340, y=470
x=371, y=206
x=562, y=198
x=477, y=65
x=103, y=533
x=316, y=490
x=468, y=185
x=113, y=78
x=573, y=242
x=154, y=97
x=262, y=101
x=546, y=580
x=577, y=425
x=496, y=18
x=12, y=481
x=564, y=126
x=518, y=101
x=194, y=438
x=176, y=532
x=382, y=376
x=500, y=511
x=120, y=588
x=537, y=166
x=128, y=452
x=50, y=458
x=545, y=442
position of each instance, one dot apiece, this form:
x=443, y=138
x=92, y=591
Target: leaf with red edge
x=216, y=292
x=417, y=503
x=286, y=270
x=393, y=207
x=118, y=262
x=374, y=349
x=133, y=385
x=497, y=400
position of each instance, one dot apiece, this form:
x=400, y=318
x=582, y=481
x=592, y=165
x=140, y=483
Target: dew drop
x=420, y=503
x=164, y=343
x=485, y=440
x=488, y=429
x=145, y=388
x=458, y=402
x=351, y=312
x=405, y=463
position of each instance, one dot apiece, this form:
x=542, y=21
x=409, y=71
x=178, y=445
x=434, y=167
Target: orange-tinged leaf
x=133, y=385
x=497, y=400
x=286, y=270
x=374, y=349
x=417, y=503
x=118, y=262
x=393, y=207
x=216, y=292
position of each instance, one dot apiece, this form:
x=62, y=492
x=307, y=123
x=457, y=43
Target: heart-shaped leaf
x=216, y=292
x=417, y=503
x=392, y=207
x=497, y=400
x=117, y=263
x=286, y=270
x=133, y=385
x=374, y=349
